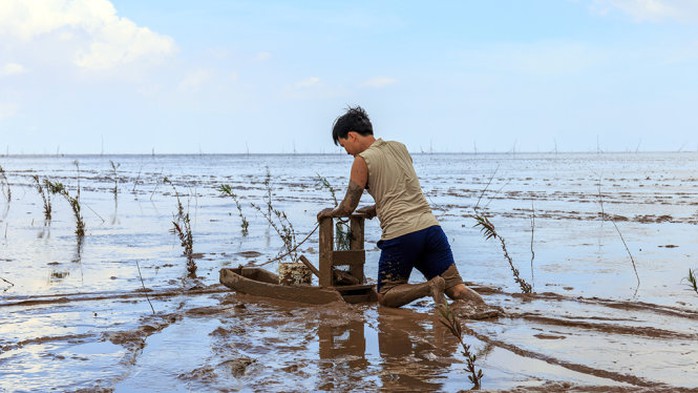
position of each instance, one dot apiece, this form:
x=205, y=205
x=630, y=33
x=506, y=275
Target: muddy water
x=74, y=316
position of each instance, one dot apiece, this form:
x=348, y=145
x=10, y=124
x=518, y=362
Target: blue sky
x=133, y=76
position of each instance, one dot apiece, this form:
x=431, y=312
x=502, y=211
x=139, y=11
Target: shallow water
x=75, y=316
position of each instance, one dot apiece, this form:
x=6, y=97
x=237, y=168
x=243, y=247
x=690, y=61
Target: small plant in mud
x=448, y=319
x=114, y=168
x=74, y=201
x=5, y=185
x=182, y=227
x=692, y=281
x=284, y=229
x=342, y=237
x=43, y=190
x=226, y=189
x=488, y=230
x=11, y=284
x=77, y=177
x=278, y=220
x=622, y=239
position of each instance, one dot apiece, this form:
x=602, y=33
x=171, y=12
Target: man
x=411, y=235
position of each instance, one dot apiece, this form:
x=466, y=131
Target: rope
x=293, y=249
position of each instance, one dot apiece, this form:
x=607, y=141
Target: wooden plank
x=357, y=243
x=326, y=247
x=357, y=232
x=310, y=266
x=349, y=258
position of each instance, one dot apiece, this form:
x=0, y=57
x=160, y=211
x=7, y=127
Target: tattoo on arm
x=351, y=200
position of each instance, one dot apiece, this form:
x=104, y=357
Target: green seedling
x=226, y=189
x=74, y=201
x=448, y=319
x=488, y=230
x=43, y=190
x=5, y=185
x=182, y=228
x=342, y=229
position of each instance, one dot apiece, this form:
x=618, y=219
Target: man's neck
x=366, y=141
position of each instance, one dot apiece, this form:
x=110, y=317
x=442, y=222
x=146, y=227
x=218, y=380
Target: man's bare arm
x=357, y=183
x=350, y=201
x=367, y=211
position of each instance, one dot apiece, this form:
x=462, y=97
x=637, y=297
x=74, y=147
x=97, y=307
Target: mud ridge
x=45, y=339
x=139, y=293
x=605, y=327
x=580, y=368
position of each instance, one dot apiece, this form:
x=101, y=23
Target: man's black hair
x=355, y=119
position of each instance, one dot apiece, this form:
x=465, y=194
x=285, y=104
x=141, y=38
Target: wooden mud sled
x=334, y=284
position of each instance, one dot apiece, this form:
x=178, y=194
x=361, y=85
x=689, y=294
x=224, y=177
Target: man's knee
x=452, y=277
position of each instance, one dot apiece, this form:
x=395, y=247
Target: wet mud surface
x=77, y=317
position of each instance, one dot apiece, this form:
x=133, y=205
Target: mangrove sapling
x=622, y=239
x=488, y=230
x=533, y=229
x=74, y=201
x=145, y=291
x=692, y=281
x=342, y=236
x=5, y=185
x=283, y=228
x=448, y=319
x=182, y=227
x=226, y=189
x=7, y=282
x=77, y=166
x=45, y=196
x=114, y=167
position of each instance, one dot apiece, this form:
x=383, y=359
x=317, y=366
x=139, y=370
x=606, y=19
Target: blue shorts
x=427, y=250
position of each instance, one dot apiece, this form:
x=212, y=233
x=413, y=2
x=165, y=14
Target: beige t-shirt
x=392, y=182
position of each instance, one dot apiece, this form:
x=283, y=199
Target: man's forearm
x=350, y=201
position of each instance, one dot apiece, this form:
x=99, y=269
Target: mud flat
x=77, y=316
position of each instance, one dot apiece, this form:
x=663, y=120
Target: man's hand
x=325, y=213
x=367, y=211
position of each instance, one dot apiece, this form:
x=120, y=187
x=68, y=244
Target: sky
x=226, y=76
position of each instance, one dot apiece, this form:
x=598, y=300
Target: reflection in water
x=414, y=351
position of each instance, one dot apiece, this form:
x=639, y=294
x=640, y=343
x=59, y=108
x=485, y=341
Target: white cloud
x=101, y=39
x=12, y=69
x=378, y=82
x=650, y=10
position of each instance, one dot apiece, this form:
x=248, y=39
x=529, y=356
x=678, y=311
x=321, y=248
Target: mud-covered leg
x=402, y=294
